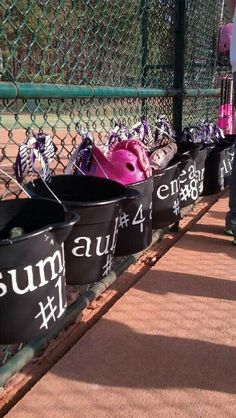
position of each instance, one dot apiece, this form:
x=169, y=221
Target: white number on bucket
x=139, y=218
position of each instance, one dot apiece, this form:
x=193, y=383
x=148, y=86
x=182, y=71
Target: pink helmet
x=225, y=37
x=101, y=166
x=128, y=163
x=130, y=160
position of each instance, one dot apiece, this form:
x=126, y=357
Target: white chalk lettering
x=3, y=287
x=86, y=247
x=225, y=167
x=51, y=261
x=200, y=174
x=115, y=233
x=166, y=190
x=174, y=186
x=230, y=164
x=47, y=270
x=62, y=307
x=29, y=288
x=183, y=174
x=194, y=189
x=139, y=218
x=150, y=208
x=192, y=172
x=98, y=246
x=160, y=191
x=222, y=173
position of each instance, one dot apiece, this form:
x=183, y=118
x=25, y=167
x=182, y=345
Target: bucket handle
x=53, y=194
x=100, y=166
x=60, y=229
x=27, y=194
x=15, y=181
x=22, y=188
x=50, y=190
x=70, y=163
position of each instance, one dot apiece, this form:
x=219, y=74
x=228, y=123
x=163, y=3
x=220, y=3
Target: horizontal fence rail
x=60, y=91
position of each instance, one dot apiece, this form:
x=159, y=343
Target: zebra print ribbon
x=204, y=133
x=81, y=158
x=164, y=133
x=37, y=147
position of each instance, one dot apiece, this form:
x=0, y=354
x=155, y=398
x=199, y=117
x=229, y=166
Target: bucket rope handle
x=50, y=190
x=18, y=184
x=105, y=174
x=22, y=188
x=75, y=165
x=78, y=168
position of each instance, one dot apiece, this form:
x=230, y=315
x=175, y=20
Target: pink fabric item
x=128, y=163
x=225, y=38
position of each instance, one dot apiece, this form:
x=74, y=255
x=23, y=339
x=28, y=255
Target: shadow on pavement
x=163, y=282
x=115, y=355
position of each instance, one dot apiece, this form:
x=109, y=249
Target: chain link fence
x=91, y=42
x=116, y=43
x=203, y=63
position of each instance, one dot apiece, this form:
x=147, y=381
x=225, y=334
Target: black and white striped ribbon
x=38, y=147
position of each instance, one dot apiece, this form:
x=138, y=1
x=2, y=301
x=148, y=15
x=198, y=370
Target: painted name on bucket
x=170, y=192
x=28, y=279
x=188, y=184
x=166, y=190
x=99, y=245
x=136, y=220
x=182, y=188
x=200, y=178
x=226, y=168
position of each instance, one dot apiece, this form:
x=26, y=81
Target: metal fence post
x=144, y=35
x=180, y=20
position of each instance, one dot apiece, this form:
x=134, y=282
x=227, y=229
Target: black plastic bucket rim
x=224, y=145
x=73, y=218
x=128, y=192
x=131, y=186
x=140, y=182
x=157, y=173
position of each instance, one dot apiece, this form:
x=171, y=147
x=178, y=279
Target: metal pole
x=144, y=35
x=180, y=20
x=15, y=91
x=10, y=90
x=215, y=44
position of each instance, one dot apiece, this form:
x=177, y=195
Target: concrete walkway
x=166, y=349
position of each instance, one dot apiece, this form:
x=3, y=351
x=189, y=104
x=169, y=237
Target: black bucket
x=165, y=198
x=32, y=272
x=90, y=247
x=218, y=167
x=189, y=148
x=135, y=227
